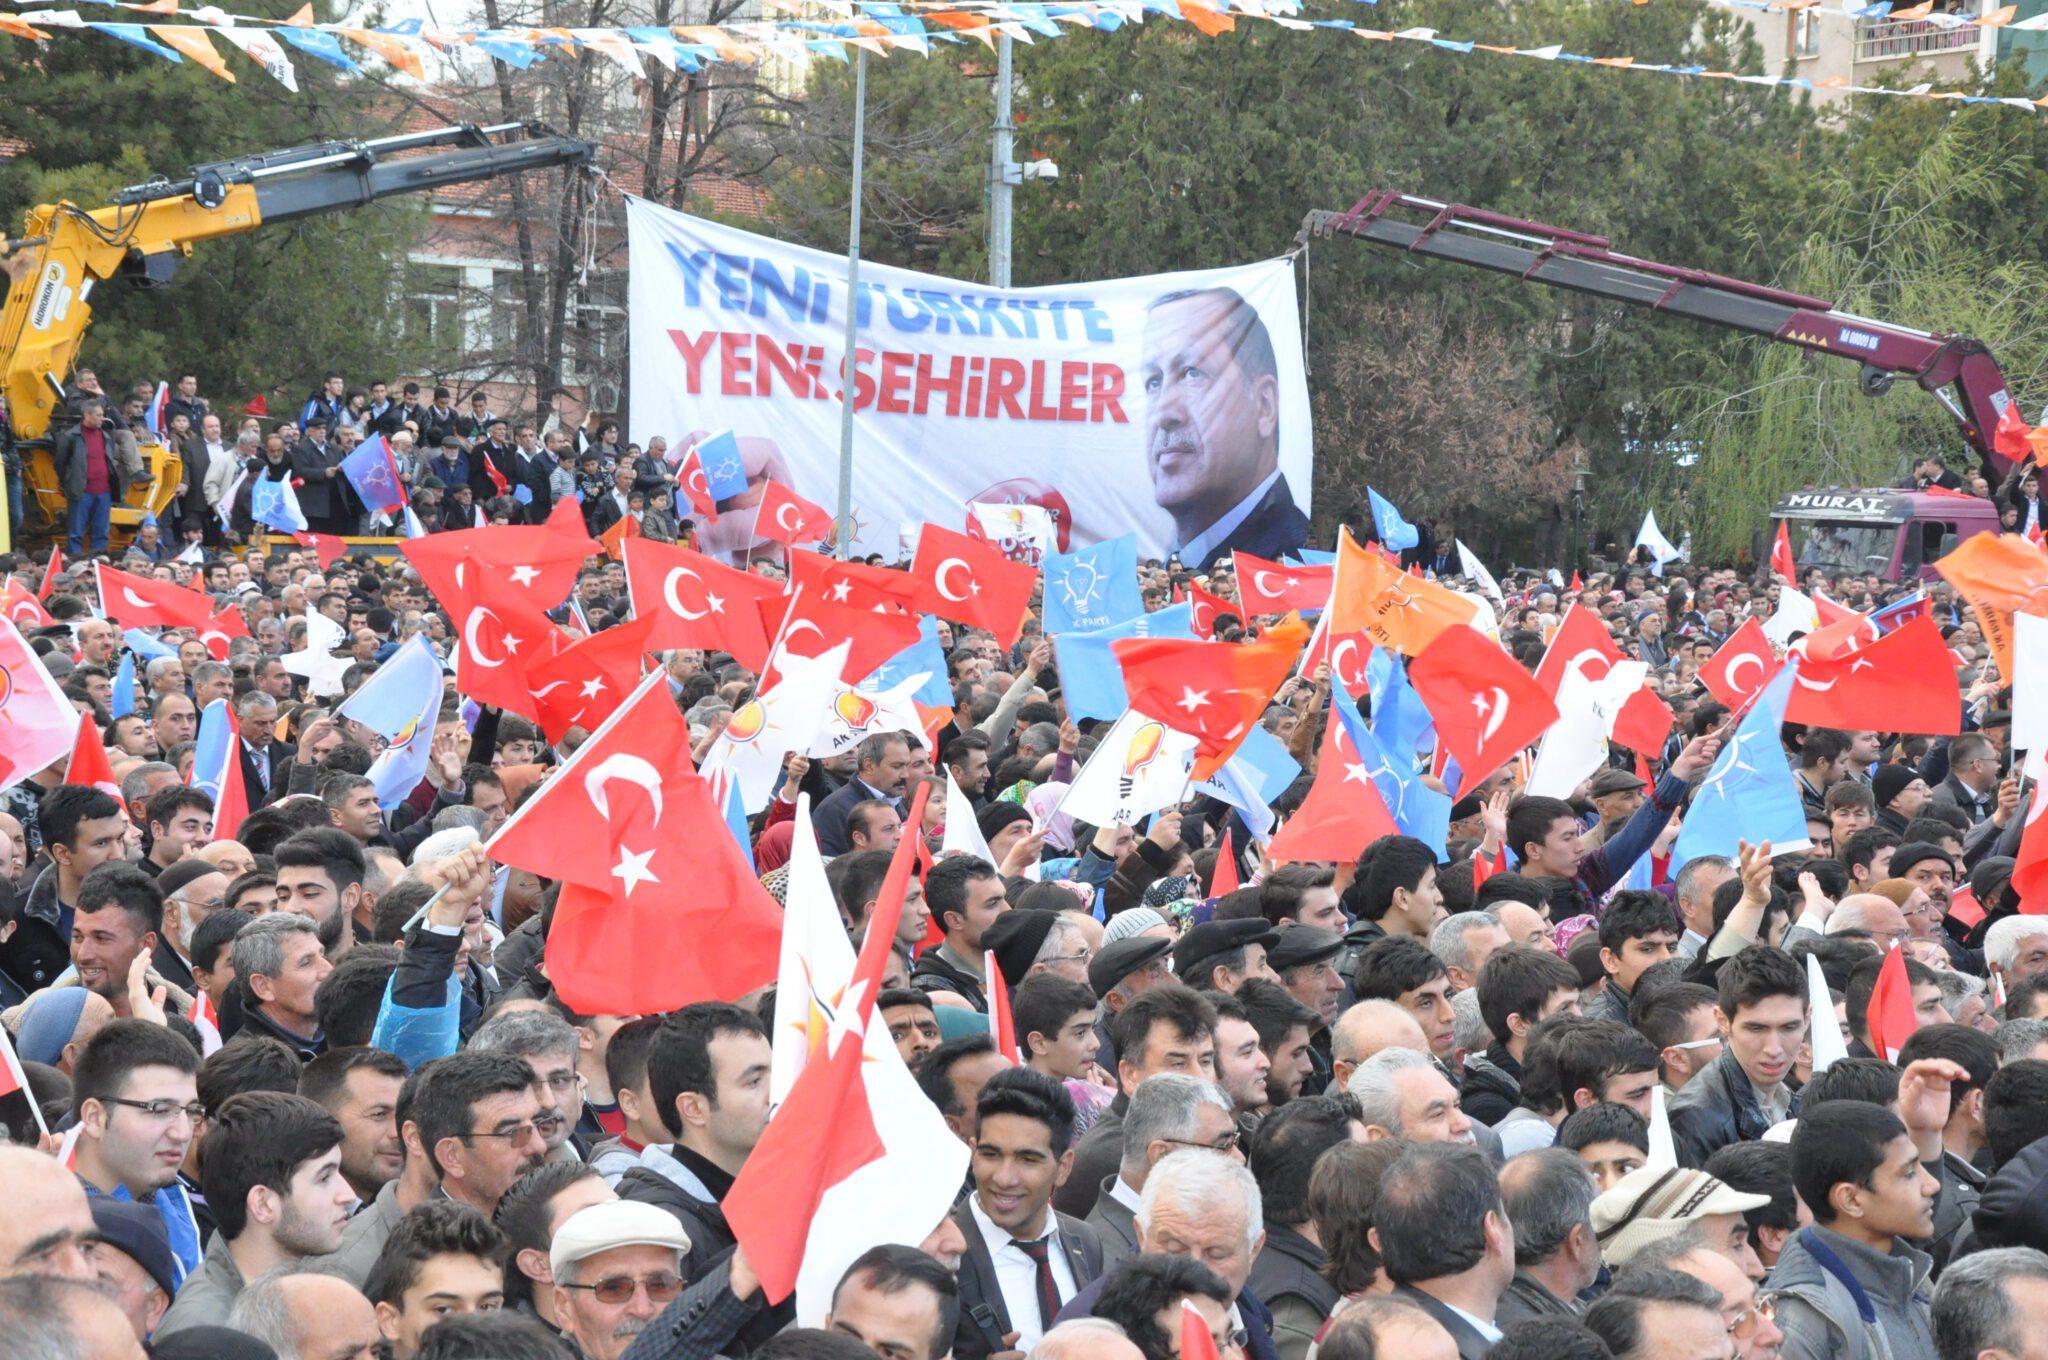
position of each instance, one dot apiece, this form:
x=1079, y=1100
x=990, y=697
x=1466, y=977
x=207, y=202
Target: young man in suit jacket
x=1023, y=1261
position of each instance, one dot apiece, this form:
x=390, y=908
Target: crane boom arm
x=1588, y=264
x=147, y=229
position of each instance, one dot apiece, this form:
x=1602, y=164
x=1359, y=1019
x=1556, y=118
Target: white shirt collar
x=1197, y=549
x=1122, y=1193
x=999, y=1237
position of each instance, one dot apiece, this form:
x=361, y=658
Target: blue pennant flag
x=1093, y=587
x=275, y=503
x=1395, y=532
x=1419, y=810
x=124, y=687
x=1090, y=677
x=724, y=469
x=736, y=820
x=139, y=37
x=1400, y=719
x=145, y=645
x=316, y=43
x=924, y=657
x=1750, y=794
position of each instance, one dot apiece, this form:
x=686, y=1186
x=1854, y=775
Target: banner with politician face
x=1173, y=406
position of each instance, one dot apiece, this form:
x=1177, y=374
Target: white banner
x=1174, y=406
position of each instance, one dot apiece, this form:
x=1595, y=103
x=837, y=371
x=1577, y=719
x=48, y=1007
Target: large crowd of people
x=1545, y=1094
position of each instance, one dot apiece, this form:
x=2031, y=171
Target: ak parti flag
x=786, y=517
x=1485, y=705
x=1213, y=691
x=826, y=1129
x=1397, y=609
x=1740, y=667
x=971, y=583
x=1891, y=1020
x=1998, y=574
x=1907, y=676
x=640, y=843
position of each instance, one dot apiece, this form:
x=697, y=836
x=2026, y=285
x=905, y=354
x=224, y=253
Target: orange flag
x=1997, y=574
x=1396, y=609
x=615, y=537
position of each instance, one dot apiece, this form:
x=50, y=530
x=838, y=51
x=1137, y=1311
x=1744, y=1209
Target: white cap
x=620, y=1223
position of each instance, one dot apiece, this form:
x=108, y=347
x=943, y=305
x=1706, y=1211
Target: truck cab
x=1889, y=532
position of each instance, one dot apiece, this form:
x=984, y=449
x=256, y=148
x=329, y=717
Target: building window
x=433, y=309
x=1806, y=32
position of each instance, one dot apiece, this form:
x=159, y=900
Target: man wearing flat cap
x=1220, y=955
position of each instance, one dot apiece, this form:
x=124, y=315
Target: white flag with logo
x=765, y=729
x=1140, y=767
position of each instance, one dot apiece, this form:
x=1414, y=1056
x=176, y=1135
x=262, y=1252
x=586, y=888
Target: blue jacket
x=453, y=473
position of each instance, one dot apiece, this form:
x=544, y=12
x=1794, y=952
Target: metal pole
x=847, y=384
x=999, y=173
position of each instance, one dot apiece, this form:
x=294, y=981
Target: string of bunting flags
x=878, y=26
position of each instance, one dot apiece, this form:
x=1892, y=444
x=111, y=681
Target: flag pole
x=848, y=386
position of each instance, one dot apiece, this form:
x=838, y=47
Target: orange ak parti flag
x=1997, y=575
x=1213, y=691
x=1398, y=610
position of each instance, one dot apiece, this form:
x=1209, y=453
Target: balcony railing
x=1896, y=39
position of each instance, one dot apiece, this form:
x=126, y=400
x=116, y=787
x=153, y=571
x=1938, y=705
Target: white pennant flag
x=857, y=714
x=1476, y=570
x=1662, y=549
x=1140, y=767
x=1827, y=1042
x=963, y=831
x=1663, y=1149
x=765, y=729
x=264, y=50
x=2030, y=682
x=1795, y=614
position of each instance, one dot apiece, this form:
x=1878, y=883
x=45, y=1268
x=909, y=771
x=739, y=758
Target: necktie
x=1048, y=1288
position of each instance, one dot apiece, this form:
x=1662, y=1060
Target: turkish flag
x=1485, y=705
x=1196, y=1340
x=38, y=725
x=786, y=517
x=23, y=609
x=585, y=682
x=539, y=561
x=49, y=584
x=1205, y=608
x=137, y=601
x=221, y=629
x=500, y=638
x=2010, y=435
x=825, y=1131
x=645, y=858
x=1269, y=588
x=971, y=583
x=1002, y=1022
x=1581, y=640
x=808, y=625
x=697, y=602
x=89, y=764
x=1343, y=812
x=1213, y=691
x=1996, y=575
x=327, y=548
x=696, y=486
x=1782, y=564
x=853, y=583
x=1890, y=1019
x=1906, y=679
x=1345, y=655
x=1739, y=669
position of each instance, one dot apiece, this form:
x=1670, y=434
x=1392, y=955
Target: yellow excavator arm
x=66, y=251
